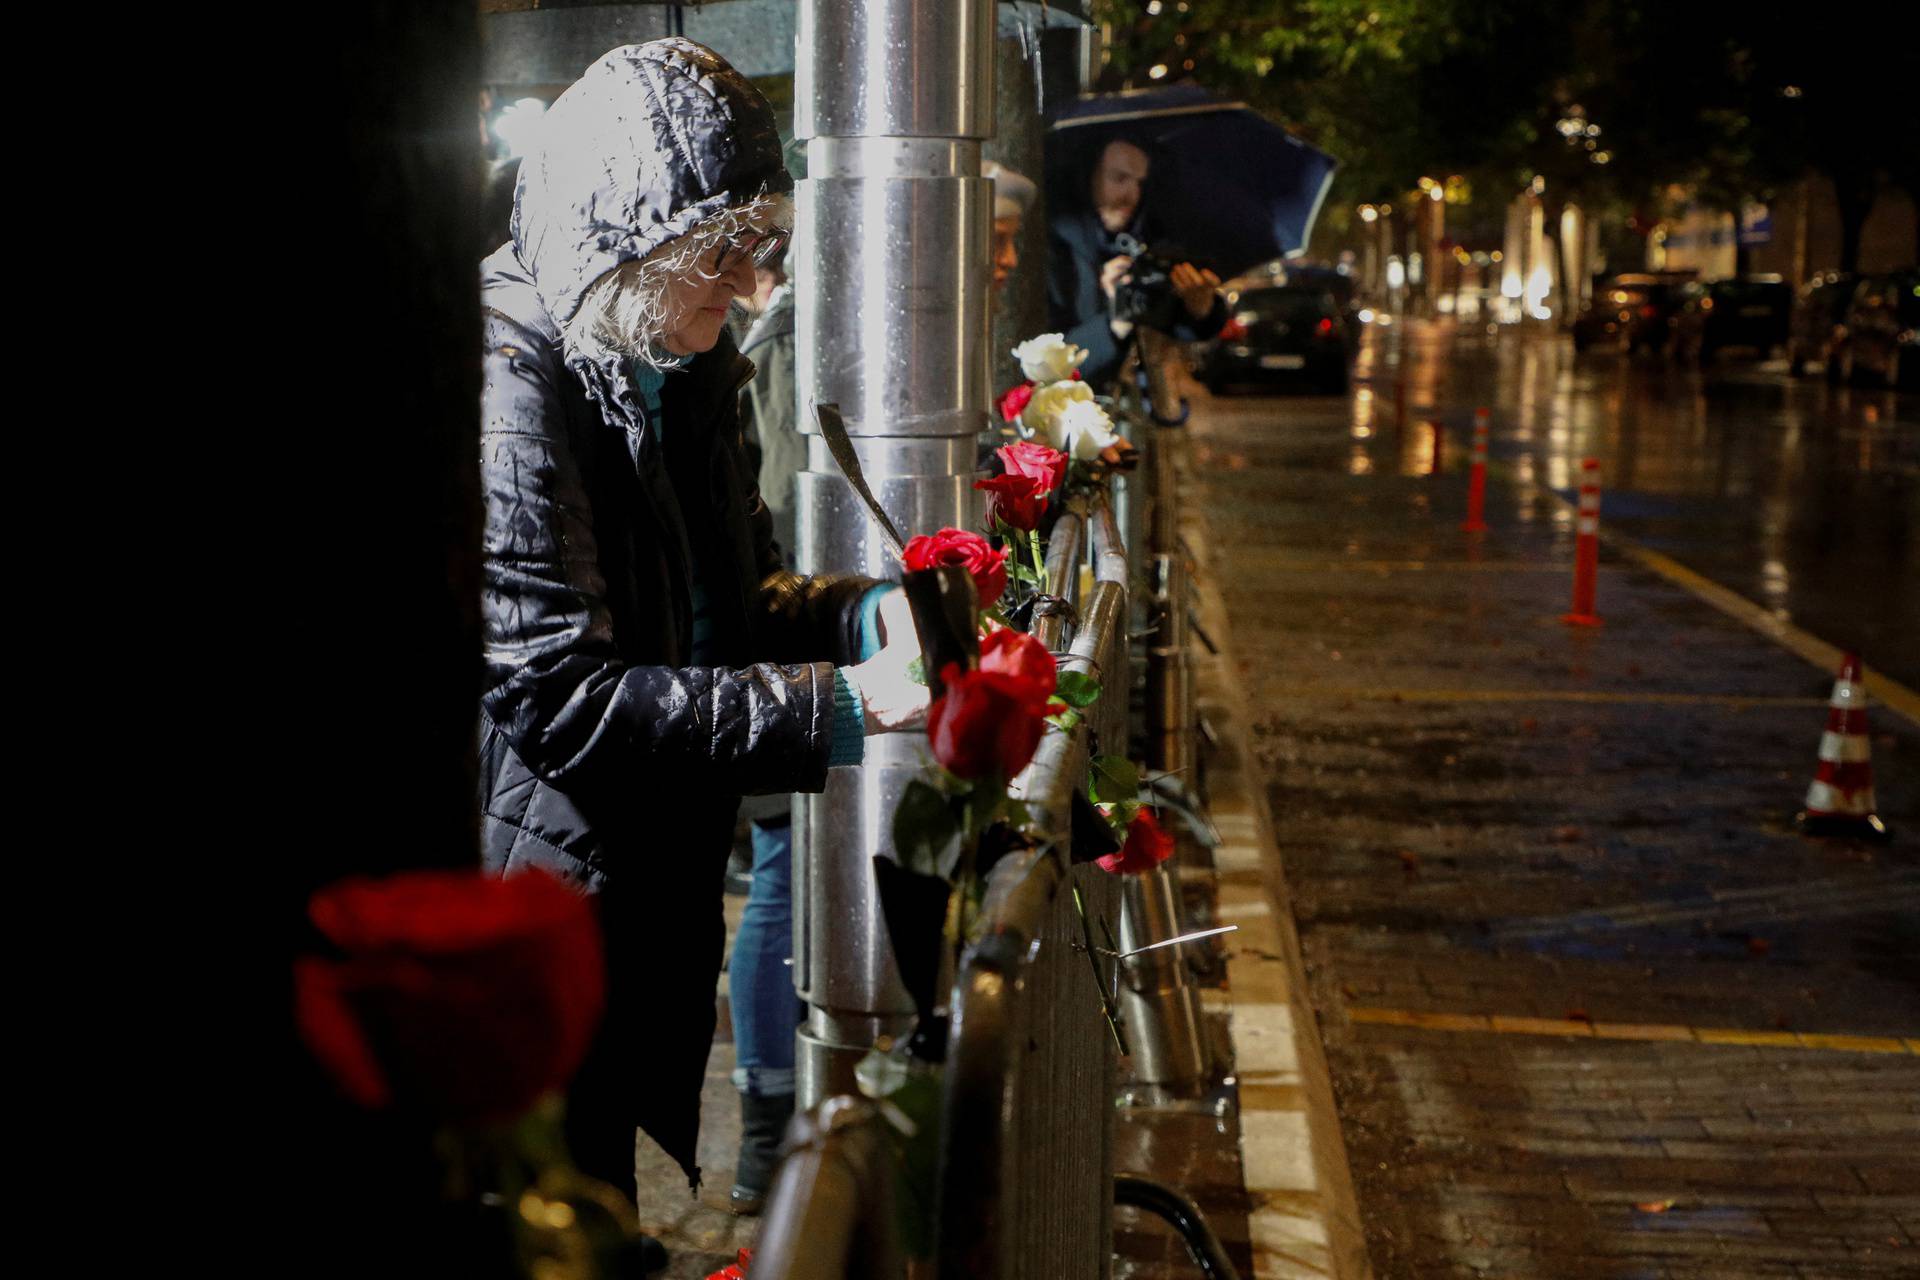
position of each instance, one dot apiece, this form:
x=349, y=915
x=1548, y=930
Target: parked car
x=1881, y=331
x=1289, y=332
x=1632, y=312
x=1752, y=311
x=1313, y=275
x=1819, y=315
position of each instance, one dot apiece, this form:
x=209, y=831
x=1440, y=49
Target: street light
x=1368, y=213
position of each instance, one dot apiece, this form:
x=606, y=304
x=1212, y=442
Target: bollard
x=1476, y=521
x=1438, y=451
x=1586, y=556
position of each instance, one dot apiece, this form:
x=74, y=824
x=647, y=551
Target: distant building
x=1794, y=236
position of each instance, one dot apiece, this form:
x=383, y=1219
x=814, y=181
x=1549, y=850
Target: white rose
x=1041, y=417
x=1048, y=358
x=1087, y=429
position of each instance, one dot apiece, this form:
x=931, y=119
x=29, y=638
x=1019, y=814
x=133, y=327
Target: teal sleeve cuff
x=848, y=745
x=870, y=618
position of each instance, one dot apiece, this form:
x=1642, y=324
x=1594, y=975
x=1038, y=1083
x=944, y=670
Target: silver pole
x=893, y=98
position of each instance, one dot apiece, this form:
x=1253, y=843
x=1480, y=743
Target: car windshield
x=1286, y=304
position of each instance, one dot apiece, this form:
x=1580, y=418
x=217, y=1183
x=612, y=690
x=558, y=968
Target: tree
x=1725, y=101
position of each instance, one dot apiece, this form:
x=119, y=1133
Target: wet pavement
x=1802, y=497
x=1593, y=1008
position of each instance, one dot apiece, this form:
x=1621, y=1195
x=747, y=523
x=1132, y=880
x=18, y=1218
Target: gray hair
x=624, y=312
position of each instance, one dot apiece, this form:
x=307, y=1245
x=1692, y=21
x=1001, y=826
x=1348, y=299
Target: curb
x=1304, y=1219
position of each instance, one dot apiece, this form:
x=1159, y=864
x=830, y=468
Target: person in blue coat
x=1088, y=260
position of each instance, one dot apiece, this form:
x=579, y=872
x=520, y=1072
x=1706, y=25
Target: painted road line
x=1798, y=900
x=1496, y=1024
x=1596, y=696
x=1884, y=688
x=1880, y=686
x=1294, y=564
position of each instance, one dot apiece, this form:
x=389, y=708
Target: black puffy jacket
x=605, y=758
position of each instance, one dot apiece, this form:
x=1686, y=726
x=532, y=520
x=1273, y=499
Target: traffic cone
x=1840, y=798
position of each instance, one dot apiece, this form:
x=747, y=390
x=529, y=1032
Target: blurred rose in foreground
x=452, y=994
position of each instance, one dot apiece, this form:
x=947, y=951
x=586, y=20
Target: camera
x=1146, y=296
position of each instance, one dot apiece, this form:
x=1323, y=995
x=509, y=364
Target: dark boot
x=763, y=1122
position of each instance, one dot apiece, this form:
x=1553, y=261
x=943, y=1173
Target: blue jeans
x=766, y=1011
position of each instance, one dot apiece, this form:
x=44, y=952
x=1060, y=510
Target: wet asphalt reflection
x=1800, y=496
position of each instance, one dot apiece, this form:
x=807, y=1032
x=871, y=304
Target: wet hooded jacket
x=605, y=757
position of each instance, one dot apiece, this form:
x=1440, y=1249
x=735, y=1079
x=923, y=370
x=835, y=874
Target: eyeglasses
x=760, y=247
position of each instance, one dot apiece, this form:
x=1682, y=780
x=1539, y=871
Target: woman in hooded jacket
x=648, y=660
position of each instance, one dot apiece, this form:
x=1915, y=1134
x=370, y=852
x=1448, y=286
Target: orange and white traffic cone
x=1840, y=798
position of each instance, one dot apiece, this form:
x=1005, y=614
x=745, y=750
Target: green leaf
x=917, y=1161
x=926, y=834
x=1113, y=780
x=1066, y=721
x=917, y=671
x=1077, y=689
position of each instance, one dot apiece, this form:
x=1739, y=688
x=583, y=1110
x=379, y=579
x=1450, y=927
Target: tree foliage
x=1725, y=101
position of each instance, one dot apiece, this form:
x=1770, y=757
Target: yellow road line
x=1258, y=560
x=1880, y=686
x=1497, y=1024
x=1599, y=696
x=1802, y=643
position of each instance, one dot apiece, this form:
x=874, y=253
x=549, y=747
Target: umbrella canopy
x=1228, y=186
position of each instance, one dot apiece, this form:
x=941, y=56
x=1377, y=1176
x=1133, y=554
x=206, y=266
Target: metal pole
x=893, y=98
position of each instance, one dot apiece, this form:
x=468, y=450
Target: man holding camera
x=1103, y=279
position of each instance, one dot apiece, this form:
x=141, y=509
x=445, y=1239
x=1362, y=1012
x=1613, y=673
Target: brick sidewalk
x=1502, y=835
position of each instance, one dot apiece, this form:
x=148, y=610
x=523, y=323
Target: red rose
x=1016, y=501
x=462, y=996
x=987, y=723
x=1015, y=653
x=1147, y=846
x=1027, y=458
x=969, y=551
x=1013, y=400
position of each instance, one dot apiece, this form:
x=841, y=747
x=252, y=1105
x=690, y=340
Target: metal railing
x=829, y=1213
x=1027, y=1171
x=1027, y=1167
